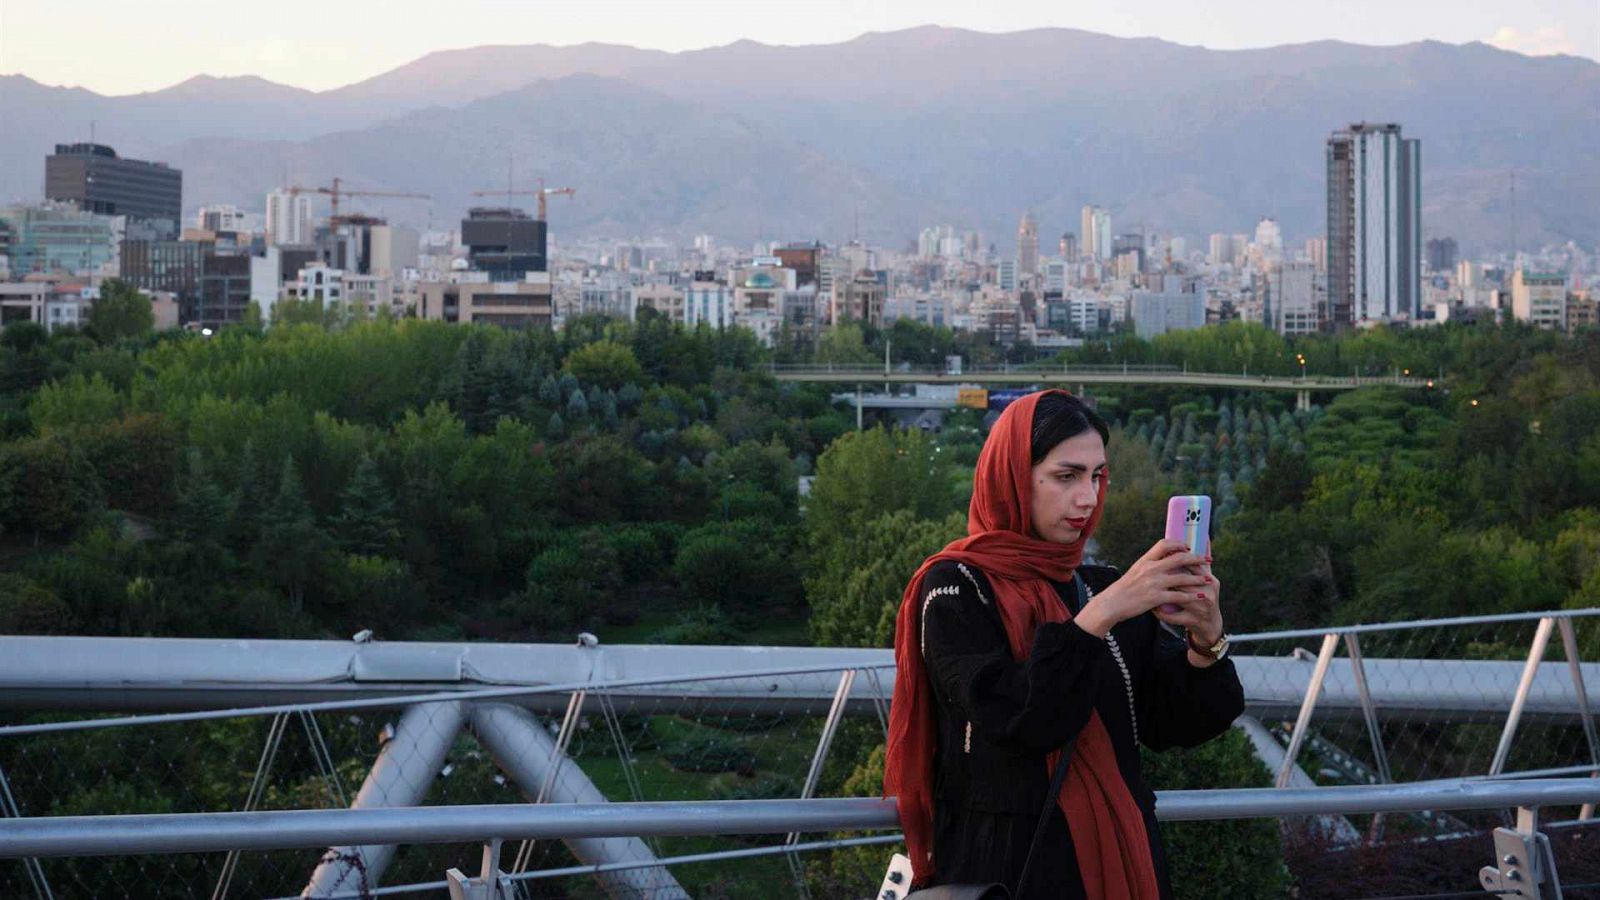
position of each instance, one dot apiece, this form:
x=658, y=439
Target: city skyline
x=110, y=51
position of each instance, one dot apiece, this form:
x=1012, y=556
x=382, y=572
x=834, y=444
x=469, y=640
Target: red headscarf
x=1107, y=826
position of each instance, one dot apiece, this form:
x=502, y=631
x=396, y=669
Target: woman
x=999, y=666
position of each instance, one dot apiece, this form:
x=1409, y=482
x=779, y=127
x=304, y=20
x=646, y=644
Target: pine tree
x=465, y=386
x=555, y=429
x=506, y=388
x=366, y=522
x=249, y=498
x=292, y=548
x=550, y=391
x=202, y=508
x=200, y=519
x=629, y=397
x=577, y=406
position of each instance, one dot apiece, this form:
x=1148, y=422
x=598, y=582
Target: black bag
x=998, y=891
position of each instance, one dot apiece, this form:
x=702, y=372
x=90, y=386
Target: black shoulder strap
x=1057, y=779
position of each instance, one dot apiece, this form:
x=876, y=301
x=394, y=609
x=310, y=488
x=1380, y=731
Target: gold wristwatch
x=1215, y=651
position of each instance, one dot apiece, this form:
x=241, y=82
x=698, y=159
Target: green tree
x=866, y=474
x=75, y=402
x=47, y=486
x=365, y=524
x=738, y=566
x=855, y=585
x=844, y=345
x=606, y=363
x=292, y=550
x=1242, y=858
x=122, y=311
x=573, y=582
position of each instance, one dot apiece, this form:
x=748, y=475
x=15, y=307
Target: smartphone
x=1189, y=520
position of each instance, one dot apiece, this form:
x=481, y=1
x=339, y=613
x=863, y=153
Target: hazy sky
x=117, y=47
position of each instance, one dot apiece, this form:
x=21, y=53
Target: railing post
x=1569, y=644
x=1330, y=642
x=269, y=752
x=1369, y=710
x=1541, y=639
x=830, y=725
x=491, y=883
x=558, y=754
x=841, y=697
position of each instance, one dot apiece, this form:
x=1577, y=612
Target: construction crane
x=542, y=192
x=335, y=192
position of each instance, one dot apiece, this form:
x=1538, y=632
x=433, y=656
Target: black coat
x=998, y=718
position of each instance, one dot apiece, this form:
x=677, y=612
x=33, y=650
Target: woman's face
x=1066, y=484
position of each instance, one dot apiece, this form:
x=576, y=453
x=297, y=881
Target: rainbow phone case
x=1189, y=520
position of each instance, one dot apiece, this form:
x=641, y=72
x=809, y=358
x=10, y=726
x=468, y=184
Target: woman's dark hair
x=1059, y=416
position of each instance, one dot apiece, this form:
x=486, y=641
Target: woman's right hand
x=1167, y=573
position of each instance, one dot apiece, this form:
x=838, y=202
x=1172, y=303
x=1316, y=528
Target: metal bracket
x=1524, y=866
x=491, y=883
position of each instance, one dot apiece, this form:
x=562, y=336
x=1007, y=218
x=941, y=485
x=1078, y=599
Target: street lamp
x=1301, y=357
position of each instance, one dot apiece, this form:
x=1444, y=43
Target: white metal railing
x=1523, y=859
x=51, y=836
x=1283, y=682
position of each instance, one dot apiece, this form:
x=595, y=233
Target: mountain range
x=877, y=136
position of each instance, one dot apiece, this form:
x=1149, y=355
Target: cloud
x=1538, y=42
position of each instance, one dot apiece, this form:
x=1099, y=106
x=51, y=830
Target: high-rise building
x=1027, y=246
x=1539, y=298
x=1069, y=246
x=225, y=219
x=1219, y=250
x=99, y=181
x=1317, y=253
x=507, y=243
x=1267, y=248
x=708, y=301
x=1291, y=301
x=803, y=259
x=1096, y=229
x=1374, y=224
x=1005, y=275
x=1125, y=244
x=58, y=239
x=1441, y=255
x=860, y=299
x=289, y=219
x=1055, y=277
x=1160, y=312
x=171, y=267
x=224, y=290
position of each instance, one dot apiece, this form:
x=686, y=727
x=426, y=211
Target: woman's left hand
x=1201, y=613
